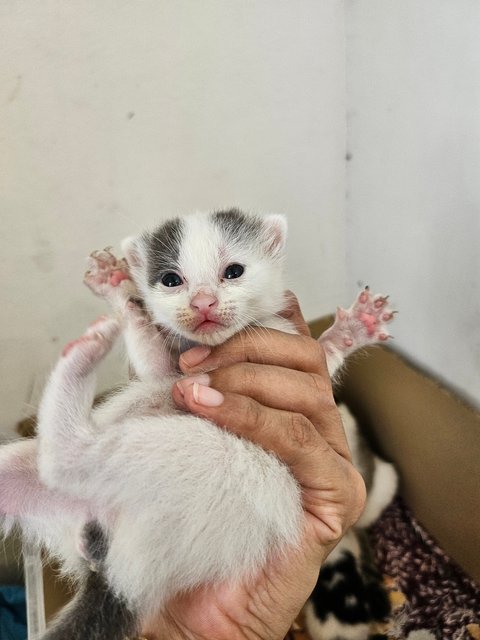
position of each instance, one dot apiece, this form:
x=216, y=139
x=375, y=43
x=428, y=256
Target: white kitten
x=158, y=501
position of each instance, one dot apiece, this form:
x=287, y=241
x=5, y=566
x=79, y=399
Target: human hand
x=272, y=388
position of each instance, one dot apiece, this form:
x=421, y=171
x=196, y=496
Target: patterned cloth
x=430, y=597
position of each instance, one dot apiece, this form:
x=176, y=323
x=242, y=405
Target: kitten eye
x=171, y=279
x=233, y=271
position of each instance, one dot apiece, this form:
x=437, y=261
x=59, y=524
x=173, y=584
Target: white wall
x=116, y=114
x=413, y=182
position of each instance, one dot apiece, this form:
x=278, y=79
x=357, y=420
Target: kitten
x=154, y=500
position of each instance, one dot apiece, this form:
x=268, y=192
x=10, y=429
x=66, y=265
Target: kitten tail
x=95, y=613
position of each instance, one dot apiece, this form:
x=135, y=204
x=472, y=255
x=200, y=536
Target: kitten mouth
x=208, y=326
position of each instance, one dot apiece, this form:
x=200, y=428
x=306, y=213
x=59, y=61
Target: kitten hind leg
x=109, y=278
x=65, y=427
x=44, y=515
x=364, y=323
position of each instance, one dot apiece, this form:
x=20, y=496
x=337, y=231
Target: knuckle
x=248, y=375
x=254, y=417
x=320, y=358
x=322, y=389
x=242, y=342
x=301, y=432
x=319, y=385
x=240, y=377
x=245, y=349
x=313, y=354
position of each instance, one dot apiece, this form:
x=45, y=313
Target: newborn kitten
x=154, y=500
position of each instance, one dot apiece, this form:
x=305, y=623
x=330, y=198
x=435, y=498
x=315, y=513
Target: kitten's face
x=206, y=276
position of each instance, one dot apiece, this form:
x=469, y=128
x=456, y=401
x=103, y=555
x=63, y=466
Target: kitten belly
x=198, y=505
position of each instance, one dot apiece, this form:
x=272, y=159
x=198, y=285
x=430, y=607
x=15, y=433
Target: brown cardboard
x=433, y=438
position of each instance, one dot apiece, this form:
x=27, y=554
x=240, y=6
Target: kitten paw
x=136, y=314
x=364, y=323
x=108, y=277
x=95, y=343
x=367, y=318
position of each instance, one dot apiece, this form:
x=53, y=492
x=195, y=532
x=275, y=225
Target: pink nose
x=203, y=302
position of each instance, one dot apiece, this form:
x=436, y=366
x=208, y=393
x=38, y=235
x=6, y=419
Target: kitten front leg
x=363, y=324
x=109, y=278
x=66, y=431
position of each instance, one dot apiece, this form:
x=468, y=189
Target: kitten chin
x=213, y=338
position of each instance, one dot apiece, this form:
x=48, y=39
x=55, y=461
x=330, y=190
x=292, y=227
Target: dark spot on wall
x=14, y=93
x=44, y=256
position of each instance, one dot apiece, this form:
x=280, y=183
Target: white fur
x=384, y=487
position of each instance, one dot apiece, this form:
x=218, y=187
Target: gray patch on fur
x=237, y=225
x=95, y=613
x=95, y=542
x=163, y=249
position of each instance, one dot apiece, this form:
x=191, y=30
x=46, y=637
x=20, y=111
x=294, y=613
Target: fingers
x=278, y=388
x=264, y=346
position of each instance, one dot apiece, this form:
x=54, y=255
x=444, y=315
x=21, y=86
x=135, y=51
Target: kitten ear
x=132, y=250
x=275, y=225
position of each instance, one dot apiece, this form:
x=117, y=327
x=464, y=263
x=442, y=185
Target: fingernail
x=194, y=356
x=187, y=382
x=207, y=396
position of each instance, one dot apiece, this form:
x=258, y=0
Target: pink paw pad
x=373, y=312
x=106, y=273
x=364, y=323
x=117, y=277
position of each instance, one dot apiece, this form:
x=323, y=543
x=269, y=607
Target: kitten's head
x=206, y=276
